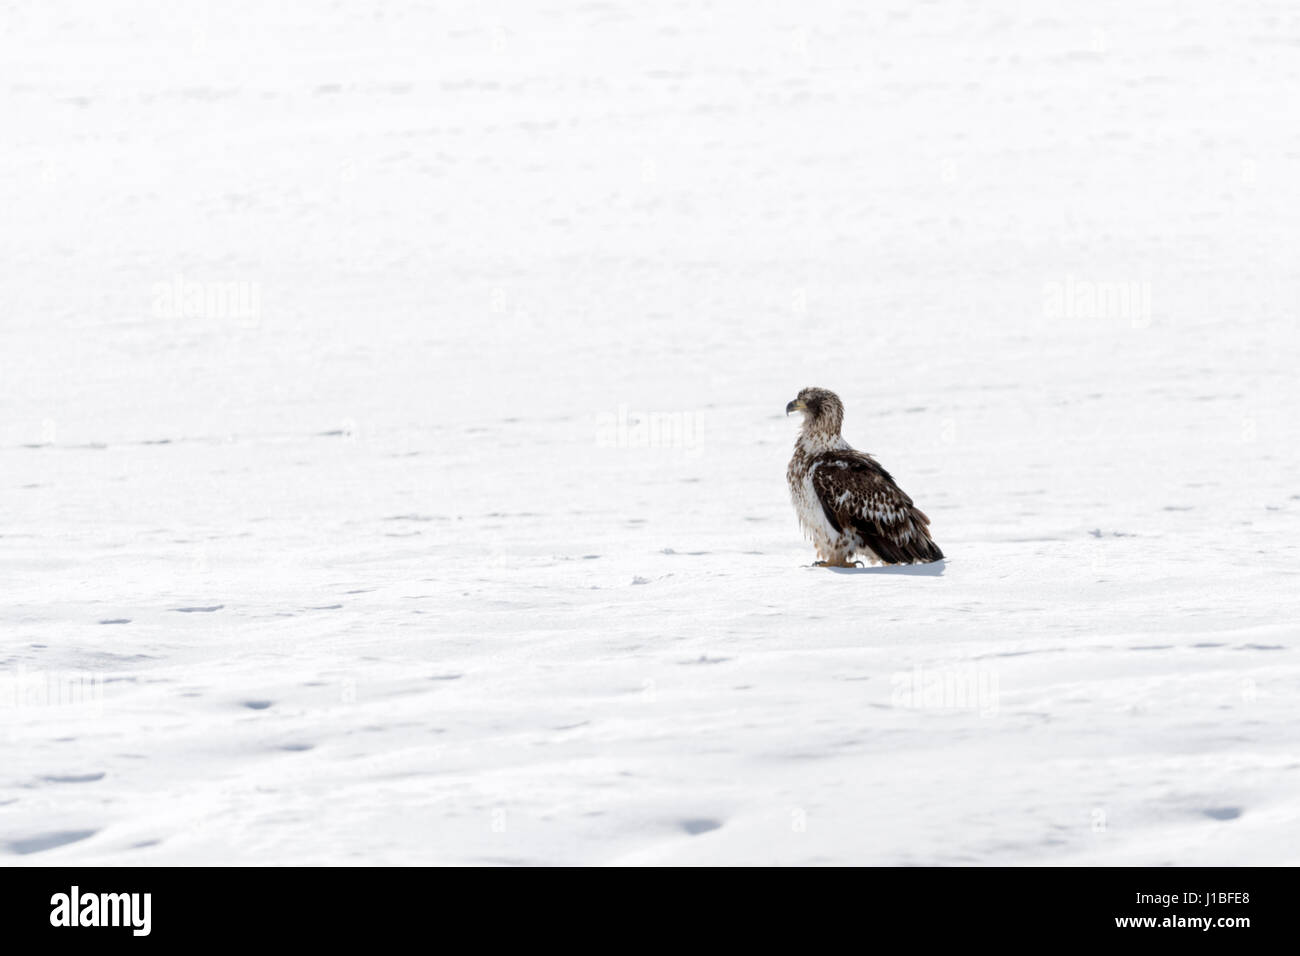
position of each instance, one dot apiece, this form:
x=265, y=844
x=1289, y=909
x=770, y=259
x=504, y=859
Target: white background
x=470, y=608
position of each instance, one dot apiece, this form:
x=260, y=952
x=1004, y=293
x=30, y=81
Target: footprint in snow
x=74, y=778
x=1222, y=813
x=700, y=825
x=47, y=841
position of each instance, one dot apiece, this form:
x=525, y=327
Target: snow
x=394, y=455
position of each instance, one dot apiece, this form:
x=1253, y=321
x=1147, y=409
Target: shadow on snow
x=932, y=570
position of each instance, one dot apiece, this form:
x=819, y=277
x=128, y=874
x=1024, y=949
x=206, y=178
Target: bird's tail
x=920, y=548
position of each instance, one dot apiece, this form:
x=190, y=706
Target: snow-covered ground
x=393, y=448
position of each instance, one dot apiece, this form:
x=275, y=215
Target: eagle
x=846, y=502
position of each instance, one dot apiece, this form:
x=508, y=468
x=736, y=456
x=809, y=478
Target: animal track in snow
x=1222, y=813
x=74, y=778
x=47, y=841
x=700, y=825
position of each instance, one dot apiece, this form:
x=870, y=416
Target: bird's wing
x=858, y=495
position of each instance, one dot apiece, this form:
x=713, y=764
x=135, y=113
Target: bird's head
x=822, y=410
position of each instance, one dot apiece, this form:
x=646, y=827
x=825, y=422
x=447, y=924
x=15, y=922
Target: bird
x=846, y=502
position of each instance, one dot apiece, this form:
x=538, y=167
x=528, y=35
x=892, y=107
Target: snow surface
x=467, y=540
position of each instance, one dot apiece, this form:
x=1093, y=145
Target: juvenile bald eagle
x=846, y=502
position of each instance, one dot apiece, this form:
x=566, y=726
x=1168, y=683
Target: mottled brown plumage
x=847, y=503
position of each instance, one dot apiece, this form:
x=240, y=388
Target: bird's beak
x=796, y=406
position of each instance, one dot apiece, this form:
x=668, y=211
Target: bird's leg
x=838, y=562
